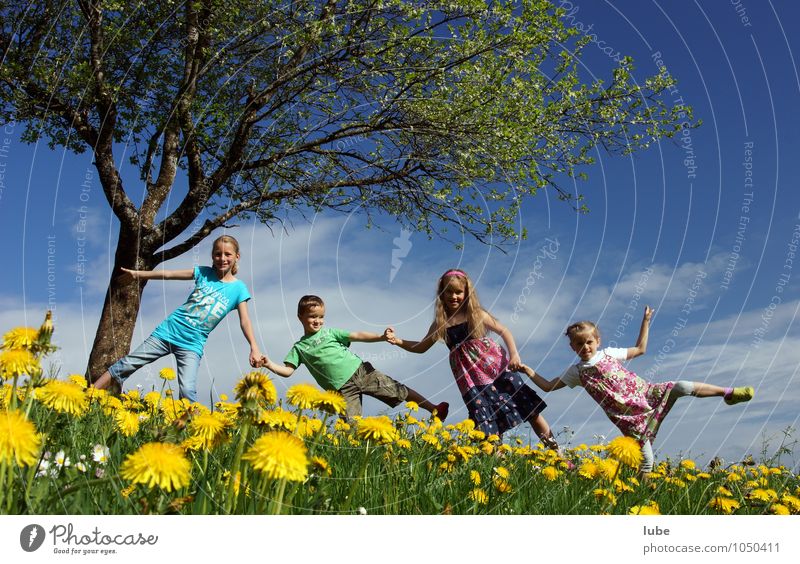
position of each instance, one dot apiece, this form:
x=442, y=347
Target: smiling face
x=585, y=344
x=312, y=318
x=223, y=258
x=454, y=295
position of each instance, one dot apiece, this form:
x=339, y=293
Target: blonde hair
x=582, y=327
x=471, y=305
x=227, y=239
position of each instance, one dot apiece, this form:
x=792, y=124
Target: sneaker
x=739, y=395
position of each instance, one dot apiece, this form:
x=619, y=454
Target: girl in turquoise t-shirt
x=217, y=292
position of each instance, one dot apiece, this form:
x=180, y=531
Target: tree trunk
x=120, y=309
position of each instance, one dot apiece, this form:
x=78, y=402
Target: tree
x=444, y=115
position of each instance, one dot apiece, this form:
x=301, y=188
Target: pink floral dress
x=635, y=406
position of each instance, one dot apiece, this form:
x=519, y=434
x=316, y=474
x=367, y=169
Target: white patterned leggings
x=680, y=389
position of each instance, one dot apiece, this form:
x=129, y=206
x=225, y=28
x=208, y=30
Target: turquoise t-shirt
x=327, y=357
x=211, y=300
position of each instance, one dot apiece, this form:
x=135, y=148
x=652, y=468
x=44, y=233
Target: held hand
x=514, y=363
x=388, y=335
x=255, y=358
x=262, y=362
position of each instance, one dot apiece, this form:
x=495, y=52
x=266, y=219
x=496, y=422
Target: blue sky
x=702, y=228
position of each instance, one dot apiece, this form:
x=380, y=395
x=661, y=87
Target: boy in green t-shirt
x=325, y=353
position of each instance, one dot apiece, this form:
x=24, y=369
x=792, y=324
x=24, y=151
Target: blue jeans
x=151, y=350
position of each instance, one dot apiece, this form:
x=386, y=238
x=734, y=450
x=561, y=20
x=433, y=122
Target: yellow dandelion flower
x=430, y=439
x=403, y=443
x=475, y=477
x=621, y=486
x=724, y=505
x=589, y=469
x=78, y=380
x=341, y=426
x=597, y=448
x=161, y=465
x=501, y=485
x=466, y=426
x=172, y=409
x=63, y=397
x=675, y=482
x=321, y=464
x=303, y=396
x=19, y=441
x=734, y=477
x=479, y=496
x=153, y=399
x=760, y=494
x=550, y=473
x=626, y=450
x=648, y=509
x=256, y=386
x=127, y=422
x=722, y=490
x=792, y=502
x=308, y=427
x=502, y=471
x=412, y=406
x=486, y=447
x=605, y=495
x=127, y=491
x=210, y=428
x=493, y=438
x=688, y=464
x=378, y=429
x=608, y=468
x=477, y=435
x=779, y=509
x=278, y=419
x=16, y=362
x=331, y=402
x=703, y=475
x=20, y=338
x=279, y=455
x=167, y=374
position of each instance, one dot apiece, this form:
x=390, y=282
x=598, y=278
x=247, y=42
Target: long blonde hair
x=471, y=305
x=227, y=239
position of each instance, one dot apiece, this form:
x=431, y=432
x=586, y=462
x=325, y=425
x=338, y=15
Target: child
x=497, y=400
x=216, y=293
x=325, y=352
x=636, y=407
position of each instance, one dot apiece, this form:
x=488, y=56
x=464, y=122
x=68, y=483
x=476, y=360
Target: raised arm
x=544, y=384
x=413, y=346
x=158, y=274
x=644, y=332
x=247, y=331
x=514, y=362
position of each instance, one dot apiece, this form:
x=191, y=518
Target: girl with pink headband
x=497, y=399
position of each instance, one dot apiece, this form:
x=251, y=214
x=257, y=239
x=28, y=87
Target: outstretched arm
x=247, y=331
x=158, y=274
x=413, y=346
x=286, y=370
x=546, y=385
x=514, y=361
x=641, y=342
x=366, y=337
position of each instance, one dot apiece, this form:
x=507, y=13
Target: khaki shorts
x=368, y=381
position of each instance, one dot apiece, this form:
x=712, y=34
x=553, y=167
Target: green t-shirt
x=327, y=357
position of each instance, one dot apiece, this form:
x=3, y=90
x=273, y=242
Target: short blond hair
x=582, y=327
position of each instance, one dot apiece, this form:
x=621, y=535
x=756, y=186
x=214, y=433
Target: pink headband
x=454, y=273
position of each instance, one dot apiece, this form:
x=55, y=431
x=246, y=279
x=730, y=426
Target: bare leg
x=441, y=409
x=703, y=390
x=542, y=430
x=103, y=382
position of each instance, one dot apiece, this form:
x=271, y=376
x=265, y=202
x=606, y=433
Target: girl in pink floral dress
x=635, y=406
x=497, y=399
